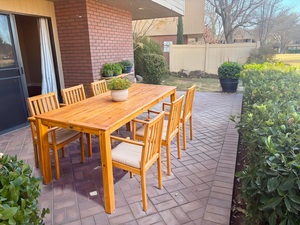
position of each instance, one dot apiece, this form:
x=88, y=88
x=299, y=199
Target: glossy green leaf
x=272, y=218
x=280, y=192
x=273, y=183
x=287, y=184
x=272, y=203
x=295, y=198
x=8, y=213
x=287, y=203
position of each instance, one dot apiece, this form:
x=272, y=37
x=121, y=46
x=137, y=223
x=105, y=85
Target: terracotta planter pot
x=119, y=95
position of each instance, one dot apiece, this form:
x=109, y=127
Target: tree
x=235, y=13
x=180, y=31
x=268, y=13
x=141, y=29
x=286, y=29
x=213, y=21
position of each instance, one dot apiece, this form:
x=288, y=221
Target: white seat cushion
x=128, y=154
x=140, y=132
x=62, y=135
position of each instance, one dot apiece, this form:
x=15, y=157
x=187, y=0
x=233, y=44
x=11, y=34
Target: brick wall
x=110, y=32
x=91, y=34
x=161, y=39
x=72, y=26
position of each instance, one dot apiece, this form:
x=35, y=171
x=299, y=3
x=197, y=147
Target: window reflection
x=6, y=50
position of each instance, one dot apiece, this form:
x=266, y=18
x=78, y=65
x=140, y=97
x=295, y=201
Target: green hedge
x=154, y=68
x=270, y=128
x=19, y=191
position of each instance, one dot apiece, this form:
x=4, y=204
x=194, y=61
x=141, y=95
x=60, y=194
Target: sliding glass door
x=13, y=112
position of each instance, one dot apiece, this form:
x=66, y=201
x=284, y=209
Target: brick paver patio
x=199, y=191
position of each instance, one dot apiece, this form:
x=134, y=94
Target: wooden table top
x=101, y=113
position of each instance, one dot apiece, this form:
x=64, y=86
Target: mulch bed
x=238, y=204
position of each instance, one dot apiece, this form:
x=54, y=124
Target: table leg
x=173, y=96
x=107, y=171
x=44, y=153
x=128, y=126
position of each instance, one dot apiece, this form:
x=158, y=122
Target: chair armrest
x=139, y=121
x=165, y=104
x=127, y=141
x=52, y=129
x=31, y=119
x=62, y=104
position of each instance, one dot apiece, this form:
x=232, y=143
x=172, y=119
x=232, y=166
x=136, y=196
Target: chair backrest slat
x=99, y=87
x=152, y=138
x=189, y=99
x=73, y=94
x=174, y=116
x=42, y=103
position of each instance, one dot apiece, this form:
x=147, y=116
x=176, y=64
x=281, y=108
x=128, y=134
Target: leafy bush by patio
x=262, y=55
x=147, y=46
x=18, y=193
x=229, y=70
x=154, y=68
x=270, y=128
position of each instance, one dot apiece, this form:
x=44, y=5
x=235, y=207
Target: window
x=167, y=46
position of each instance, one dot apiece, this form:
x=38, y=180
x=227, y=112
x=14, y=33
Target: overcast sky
x=295, y=3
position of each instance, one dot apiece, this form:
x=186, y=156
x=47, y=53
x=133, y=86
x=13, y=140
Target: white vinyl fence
x=208, y=57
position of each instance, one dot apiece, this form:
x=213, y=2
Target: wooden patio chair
x=170, y=130
x=137, y=157
x=58, y=137
x=73, y=95
x=99, y=87
x=187, y=113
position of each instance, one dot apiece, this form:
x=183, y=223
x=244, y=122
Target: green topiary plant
x=229, y=70
x=19, y=191
x=154, y=68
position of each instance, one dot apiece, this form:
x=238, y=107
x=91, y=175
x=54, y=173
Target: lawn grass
x=291, y=59
x=202, y=84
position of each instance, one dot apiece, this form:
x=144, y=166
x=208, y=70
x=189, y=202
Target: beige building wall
x=208, y=57
x=41, y=8
x=193, y=22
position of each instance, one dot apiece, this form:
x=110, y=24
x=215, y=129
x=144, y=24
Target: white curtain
x=48, y=72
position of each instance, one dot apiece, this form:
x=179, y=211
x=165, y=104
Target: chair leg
x=63, y=150
x=191, y=128
x=131, y=174
x=159, y=172
x=178, y=144
x=56, y=160
x=36, y=156
x=144, y=192
x=118, y=131
x=168, y=159
x=184, y=134
x=89, y=144
x=82, y=148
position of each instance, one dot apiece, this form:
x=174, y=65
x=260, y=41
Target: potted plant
x=117, y=68
x=119, y=89
x=19, y=192
x=229, y=73
x=107, y=70
x=127, y=66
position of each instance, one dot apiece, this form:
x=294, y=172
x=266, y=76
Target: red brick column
x=91, y=34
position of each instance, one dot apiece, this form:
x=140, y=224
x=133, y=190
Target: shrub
x=107, y=70
x=154, y=68
x=117, y=68
x=126, y=63
x=270, y=128
x=230, y=70
x=119, y=84
x=147, y=46
x=18, y=193
x=264, y=54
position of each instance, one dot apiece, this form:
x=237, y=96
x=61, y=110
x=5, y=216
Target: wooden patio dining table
x=101, y=116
